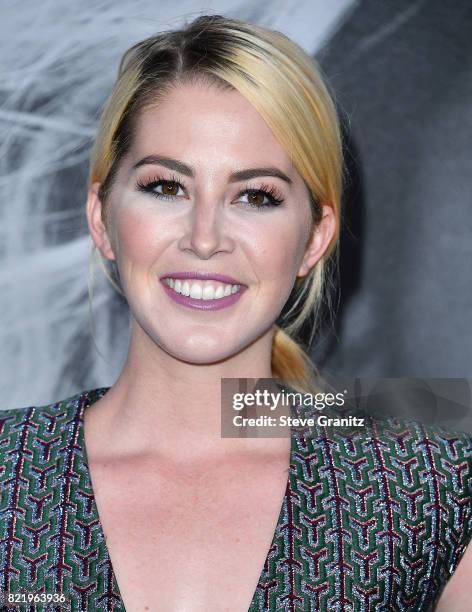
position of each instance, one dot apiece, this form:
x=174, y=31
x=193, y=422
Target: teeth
x=196, y=291
x=209, y=292
x=202, y=290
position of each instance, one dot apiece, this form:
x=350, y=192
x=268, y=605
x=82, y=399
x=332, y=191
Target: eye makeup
x=271, y=196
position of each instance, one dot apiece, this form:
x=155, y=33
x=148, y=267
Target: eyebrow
x=240, y=175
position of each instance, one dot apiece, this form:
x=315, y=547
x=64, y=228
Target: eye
x=263, y=197
x=260, y=198
x=161, y=188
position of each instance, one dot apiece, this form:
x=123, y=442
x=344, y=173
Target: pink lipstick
x=201, y=304
x=203, y=276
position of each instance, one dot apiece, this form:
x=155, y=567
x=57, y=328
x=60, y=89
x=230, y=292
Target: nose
x=206, y=230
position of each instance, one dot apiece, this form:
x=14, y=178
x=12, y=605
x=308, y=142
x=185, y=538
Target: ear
x=321, y=236
x=96, y=226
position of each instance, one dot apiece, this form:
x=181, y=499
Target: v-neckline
x=90, y=397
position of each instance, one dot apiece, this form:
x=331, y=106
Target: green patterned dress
x=372, y=520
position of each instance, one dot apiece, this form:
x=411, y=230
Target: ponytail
x=292, y=364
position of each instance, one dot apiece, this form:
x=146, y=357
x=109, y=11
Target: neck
x=163, y=405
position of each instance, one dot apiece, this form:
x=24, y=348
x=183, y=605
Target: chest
x=189, y=541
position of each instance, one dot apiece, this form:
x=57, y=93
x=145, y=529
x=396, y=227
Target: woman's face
x=178, y=204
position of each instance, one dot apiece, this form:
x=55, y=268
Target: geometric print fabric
x=375, y=519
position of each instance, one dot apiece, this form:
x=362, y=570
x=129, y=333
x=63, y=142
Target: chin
x=204, y=352
x=202, y=348
x=202, y=344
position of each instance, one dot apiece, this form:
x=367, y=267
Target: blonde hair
x=285, y=86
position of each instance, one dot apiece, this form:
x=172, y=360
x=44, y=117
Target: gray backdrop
x=402, y=72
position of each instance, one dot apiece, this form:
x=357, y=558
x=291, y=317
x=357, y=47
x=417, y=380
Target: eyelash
x=273, y=195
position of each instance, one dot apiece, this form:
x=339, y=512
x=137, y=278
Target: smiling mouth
x=202, y=290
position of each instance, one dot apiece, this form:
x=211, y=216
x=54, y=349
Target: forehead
x=201, y=121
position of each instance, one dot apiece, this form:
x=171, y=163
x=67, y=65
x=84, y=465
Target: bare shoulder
x=457, y=593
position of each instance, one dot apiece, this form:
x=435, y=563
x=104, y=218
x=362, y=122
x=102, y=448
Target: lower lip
x=185, y=300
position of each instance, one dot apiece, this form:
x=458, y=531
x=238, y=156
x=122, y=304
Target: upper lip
x=223, y=278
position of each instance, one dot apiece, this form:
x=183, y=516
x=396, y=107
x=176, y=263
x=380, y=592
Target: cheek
x=278, y=253
x=137, y=237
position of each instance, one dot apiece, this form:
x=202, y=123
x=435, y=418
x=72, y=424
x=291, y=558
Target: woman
x=214, y=191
